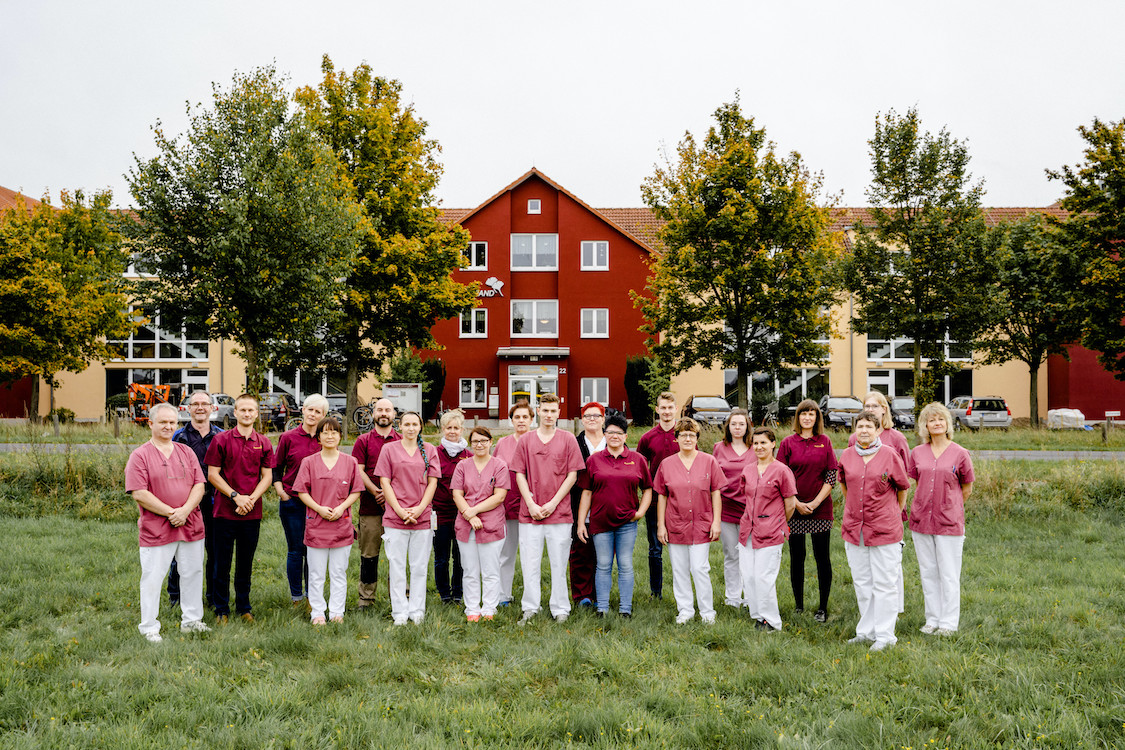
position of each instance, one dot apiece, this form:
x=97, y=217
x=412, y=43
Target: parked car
x=840, y=411
x=902, y=412
x=275, y=408
x=337, y=405
x=976, y=412
x=707, y=409
x=222, y=409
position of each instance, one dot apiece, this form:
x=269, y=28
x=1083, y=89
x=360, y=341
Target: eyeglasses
x=593, y=416
x=614, y=433
x=480, y=442
x=691, y=435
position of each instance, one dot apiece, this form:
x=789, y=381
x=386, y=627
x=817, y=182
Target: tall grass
x=1038, y=661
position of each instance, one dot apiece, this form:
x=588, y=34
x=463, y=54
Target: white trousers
x=939, y=564
x=508, y=557
x=690, y=563
x=480, y=582
x=901, y=583
x=556, y=537
x=759, y=580
x=334, y=562
x=408, y=548
x=732, y=572
x=154, y=568
x=875, y=572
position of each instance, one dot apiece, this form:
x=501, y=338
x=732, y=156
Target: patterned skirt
x=804, y=525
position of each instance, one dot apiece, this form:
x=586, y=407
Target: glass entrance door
x=530, y=382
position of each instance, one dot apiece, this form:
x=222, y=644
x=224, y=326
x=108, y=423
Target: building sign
x=494, y=285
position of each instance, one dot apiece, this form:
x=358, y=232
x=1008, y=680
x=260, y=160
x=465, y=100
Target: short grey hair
x=162, y=405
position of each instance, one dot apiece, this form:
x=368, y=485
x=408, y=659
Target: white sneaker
x=528, y=614
x=153, y=638
x=400, y=621
x=417, y=619
x=708, y=620
x=859, y=639
x=684, y=619
x=928, y=629
x=945, y=631
x=197, y=626
x=562, y=618
x=879, y=646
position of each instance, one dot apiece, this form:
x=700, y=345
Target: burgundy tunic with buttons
x=688, y=513
x=871, y=506
x=939, y=504
x=763, y=523
x=656, y=445
x=444, y=506
x=813, y=463
x=330, y=488
x=478, y=486
x=732, y=465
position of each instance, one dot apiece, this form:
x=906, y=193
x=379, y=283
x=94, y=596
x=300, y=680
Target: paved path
x=983, y=455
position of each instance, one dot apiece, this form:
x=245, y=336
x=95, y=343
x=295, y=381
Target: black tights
x=797, y=567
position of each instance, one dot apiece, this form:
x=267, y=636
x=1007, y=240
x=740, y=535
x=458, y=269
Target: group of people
x=580, y=498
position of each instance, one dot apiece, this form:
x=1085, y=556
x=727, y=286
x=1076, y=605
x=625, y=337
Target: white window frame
x=590, y=321
x=482, y=403
x=134, y=343
x=534, y=252
x=477, y=316
x=534, y=206
x=590, y=388
x=592, y=245
x=472, y=265
x=537, y=305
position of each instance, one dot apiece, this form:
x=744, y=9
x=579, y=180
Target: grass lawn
x=1039, y=661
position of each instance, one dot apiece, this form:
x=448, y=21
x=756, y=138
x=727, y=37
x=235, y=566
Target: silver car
x=223, y=409
x=976, y=412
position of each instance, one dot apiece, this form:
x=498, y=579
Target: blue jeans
x=292, y=515
x=619, y=542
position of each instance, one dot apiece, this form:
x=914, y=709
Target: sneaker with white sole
x=880, y=646
x=197, y=626
x=562, y=618
x=683, y=619
x=928, y=629
x=859, y=639
x=527, y=616
x=945, y=631
x=153, y=638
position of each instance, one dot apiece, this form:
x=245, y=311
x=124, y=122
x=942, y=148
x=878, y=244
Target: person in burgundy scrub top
x=656, y=445
x=328, y=484
x=480, y=485
x=452, y=450
x=521, y=415
x=733, y=454
x=583, y=557
x=689, y=512
x=292, y=448
x=616, y=493
x=409, y=472
x=770, y=494
x=240, y=467
x=943, y=473
x=874, y=483
x=809, y=454
x=166, y=482
x=372, y=504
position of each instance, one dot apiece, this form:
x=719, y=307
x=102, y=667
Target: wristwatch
x=233, y=495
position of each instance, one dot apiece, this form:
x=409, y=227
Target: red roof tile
x=11, y=198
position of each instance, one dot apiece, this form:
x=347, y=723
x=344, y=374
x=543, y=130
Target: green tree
x=248, y=223
x=925, y=270
x=1095, y=229
x=1038, y=316
x=61, y=293
x=400, y=284
x=743, y=276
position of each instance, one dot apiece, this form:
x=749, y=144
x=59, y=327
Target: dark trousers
x=208, y=558
x=583, y=560
x=820, y=548
x=445, y=542
x=655, y=553
x=292, y=515
x=237, y=541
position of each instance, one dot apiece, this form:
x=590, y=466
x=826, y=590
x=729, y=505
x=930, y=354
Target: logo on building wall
x=494, y=285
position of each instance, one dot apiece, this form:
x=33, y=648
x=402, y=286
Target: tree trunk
x=253, y=378
x=1034, y=395
x=919, y=388
x=352, y=387
x=743, y=395
x=33, y=401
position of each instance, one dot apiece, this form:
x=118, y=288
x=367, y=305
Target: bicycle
x=770, y=418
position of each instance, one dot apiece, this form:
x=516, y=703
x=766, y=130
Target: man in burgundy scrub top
x=240, y=466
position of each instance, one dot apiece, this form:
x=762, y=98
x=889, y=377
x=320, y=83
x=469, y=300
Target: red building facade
x=554, y=314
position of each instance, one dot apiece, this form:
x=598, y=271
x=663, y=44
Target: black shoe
x=447, y=600
x=760, y=625
x=600, y=615
x=799, y=611
x=625, y=614
x=821, y=616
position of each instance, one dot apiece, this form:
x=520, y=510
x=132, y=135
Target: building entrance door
x=530, y=382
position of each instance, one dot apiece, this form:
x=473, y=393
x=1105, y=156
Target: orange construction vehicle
x=144, y=397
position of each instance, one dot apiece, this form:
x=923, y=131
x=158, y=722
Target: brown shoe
x=222, y=619
x=247, y=617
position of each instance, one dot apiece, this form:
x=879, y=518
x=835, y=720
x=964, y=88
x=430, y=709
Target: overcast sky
x=590, y=93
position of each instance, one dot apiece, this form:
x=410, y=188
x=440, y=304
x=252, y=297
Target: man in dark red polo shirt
x=366, y=452
x=240, y=466
x=656, y=445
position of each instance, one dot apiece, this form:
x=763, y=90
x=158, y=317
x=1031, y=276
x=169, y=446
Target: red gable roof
x=11, y=198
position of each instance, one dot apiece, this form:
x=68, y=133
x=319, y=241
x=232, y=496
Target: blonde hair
x=316, y=401
x=888, y=420
x=451, y=416
x=687, y=424
x=930, y=410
